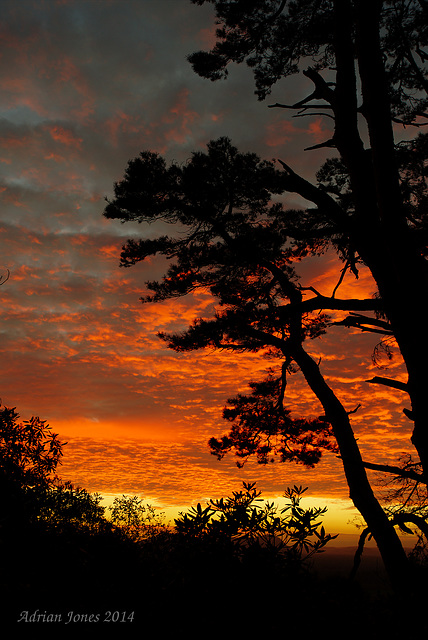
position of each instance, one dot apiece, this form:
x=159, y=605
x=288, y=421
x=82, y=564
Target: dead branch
x=354, y=410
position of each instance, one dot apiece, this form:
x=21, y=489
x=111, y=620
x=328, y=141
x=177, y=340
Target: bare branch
x=310, y=288
x=299, y=105
x=408, y=124
x=330, y=304
x=388, y=382
x=313, y=113
x=396, y=471
x=365, y=323
x=354, y=410
x=342, y=275
x=359, y=552
x=401, y=518
x=296, y=184
x=284, y=368
x=328, y=144
x=322, y=90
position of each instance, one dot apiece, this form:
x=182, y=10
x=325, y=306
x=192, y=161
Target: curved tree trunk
x=360, y=491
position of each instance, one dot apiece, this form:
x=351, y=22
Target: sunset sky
x=86, y=86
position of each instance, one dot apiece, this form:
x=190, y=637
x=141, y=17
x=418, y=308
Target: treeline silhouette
x=238, y=562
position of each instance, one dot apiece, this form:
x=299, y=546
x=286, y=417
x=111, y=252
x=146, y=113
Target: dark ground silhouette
x=171, y=587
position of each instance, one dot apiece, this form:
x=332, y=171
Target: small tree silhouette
x=137, y=520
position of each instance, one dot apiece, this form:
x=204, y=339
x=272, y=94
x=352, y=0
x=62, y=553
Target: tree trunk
x=406, y=307
x=397, y=265
x=360, y=491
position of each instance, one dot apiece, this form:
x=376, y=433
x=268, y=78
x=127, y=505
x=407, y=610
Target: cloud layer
x=87, y=86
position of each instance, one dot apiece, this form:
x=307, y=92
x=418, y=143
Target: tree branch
x=296, y=184
x=388, y=382
x=327, y=144
x=354, y=410
x=401, y=518
x=343, y=271
x=299, y=105
x=322, y=91
x=358, y=321
x=331, y=304
x=359, y=552
x=397, y=471
x=313, y=113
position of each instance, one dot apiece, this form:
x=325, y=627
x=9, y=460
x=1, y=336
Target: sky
x=86, y=86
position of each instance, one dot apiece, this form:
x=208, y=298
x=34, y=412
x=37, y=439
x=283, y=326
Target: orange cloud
x=127, y=403
x=181, y=116
x=65, y=136
x=317, y=131
x=78, y=347
x=110, y=251
x=65, y=71
x=9, y=197
x=323, y=274
x=279, y=133
x=123, y=123
x=55, y=157
x=11, y=141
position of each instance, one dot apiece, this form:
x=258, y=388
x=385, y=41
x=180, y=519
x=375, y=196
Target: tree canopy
x=233, y=235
